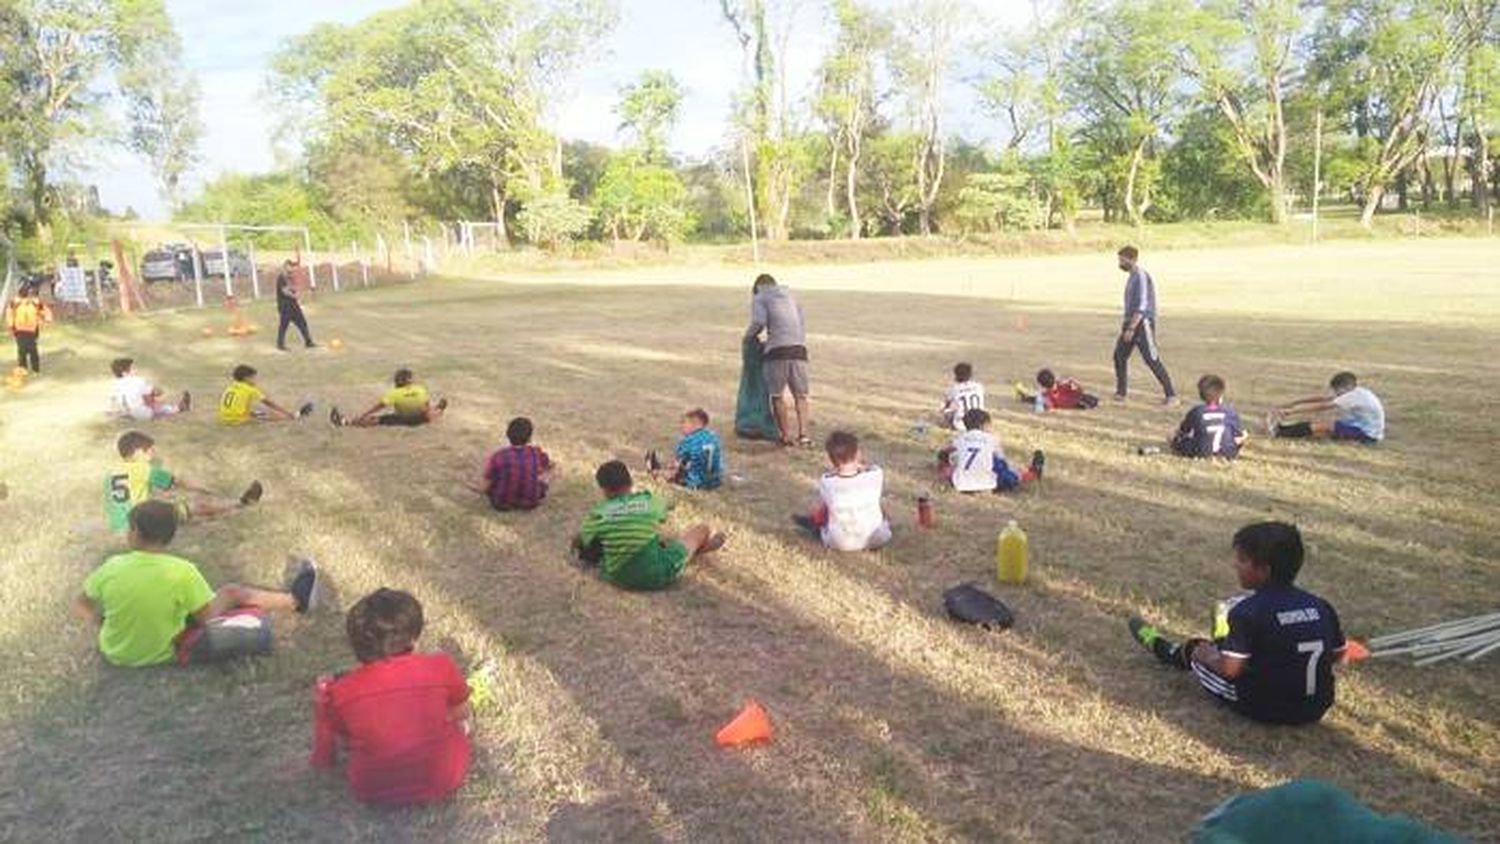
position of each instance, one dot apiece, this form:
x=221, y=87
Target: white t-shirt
x=974, y=455
x=855, y=520
x=963, y=396
x=1362, y=409
x=128, y=397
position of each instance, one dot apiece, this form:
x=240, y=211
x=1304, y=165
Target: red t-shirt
x=393, y=716
x=1065, y=395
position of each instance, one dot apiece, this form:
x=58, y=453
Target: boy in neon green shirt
x=623, y=536
x=139, y=476
x=152, y=607
x=408, y=402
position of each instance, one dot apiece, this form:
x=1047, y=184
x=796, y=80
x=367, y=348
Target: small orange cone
x=1021, y=322
x=751, y=726
x=1355, y=651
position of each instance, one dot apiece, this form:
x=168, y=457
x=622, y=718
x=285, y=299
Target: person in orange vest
x=24, y=316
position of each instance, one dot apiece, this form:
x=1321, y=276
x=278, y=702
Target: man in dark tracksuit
x=1139, y=328
x=289, y=308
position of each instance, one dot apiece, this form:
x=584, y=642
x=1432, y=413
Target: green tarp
x=753, y=419
x=1308, y=810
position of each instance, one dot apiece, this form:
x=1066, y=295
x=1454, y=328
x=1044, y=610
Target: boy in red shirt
x=401, y=717
x=1053, y=393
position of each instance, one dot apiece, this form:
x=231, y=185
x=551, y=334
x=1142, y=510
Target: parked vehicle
x=167, y=262
x=213, y=263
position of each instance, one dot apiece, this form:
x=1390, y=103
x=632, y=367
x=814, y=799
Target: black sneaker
x=1165, y=650
x=335, y=418
x=252, y=493
x=807, y=525
x=304, y=586
x=185, y=403
x=442, y=404
x=653, y=462
x=305, y=411
x=1038, y=463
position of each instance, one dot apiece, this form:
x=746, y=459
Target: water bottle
x=1011, y=553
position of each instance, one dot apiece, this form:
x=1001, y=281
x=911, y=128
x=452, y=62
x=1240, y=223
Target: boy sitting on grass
x=243, y=401
x=976, y=462
x=963, y=395
x=407, y=401
x=1272, y=654
x=1211, y=429
x=133, y=397
x=849, y=515
x=516, y=477
x=139, y=476
x=1056, y=393
x=153, y=607
x=401, y=716
x=1352, y=413
x=698, y=462
x=621, y=534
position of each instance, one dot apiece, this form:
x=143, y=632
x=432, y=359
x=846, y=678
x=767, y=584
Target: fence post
x=254, y=272
x=333, y=264
x=359, y=257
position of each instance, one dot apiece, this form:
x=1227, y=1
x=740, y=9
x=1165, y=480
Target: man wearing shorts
x=777, y=313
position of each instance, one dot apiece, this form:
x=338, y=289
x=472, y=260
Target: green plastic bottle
x=1010, y=555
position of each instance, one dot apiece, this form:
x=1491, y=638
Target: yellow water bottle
x=1010, y=556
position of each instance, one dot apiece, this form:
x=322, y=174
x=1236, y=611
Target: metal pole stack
x=1470, y=638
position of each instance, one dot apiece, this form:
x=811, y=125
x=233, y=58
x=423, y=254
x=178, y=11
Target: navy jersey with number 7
x=1290, y=640
x=1209, y=430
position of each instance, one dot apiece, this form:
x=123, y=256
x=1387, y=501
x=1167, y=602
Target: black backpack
x=968, y=603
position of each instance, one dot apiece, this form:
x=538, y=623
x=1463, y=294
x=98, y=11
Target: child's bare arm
x=86, y=609
x=370, y=414
x=276, y=408
x=1228, y=667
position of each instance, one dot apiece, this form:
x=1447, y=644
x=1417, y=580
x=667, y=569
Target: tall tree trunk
x=36, y=191
x=851, y=192
x=1481, y=176
x=497, y=208
x=1136, y=157
x=1373, y=195
x=830, y=207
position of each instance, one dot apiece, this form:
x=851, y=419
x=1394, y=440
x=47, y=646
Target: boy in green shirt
x=139, y=476
x=622, y=535
x=152, y=607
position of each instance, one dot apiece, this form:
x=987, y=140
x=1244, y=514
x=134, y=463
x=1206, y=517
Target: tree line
x=1146, y=110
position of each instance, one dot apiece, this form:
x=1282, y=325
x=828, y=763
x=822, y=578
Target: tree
x=457, y=87
x=1242, y=53
x=891, y=181
x=848, y=98
x=639, y=195
x=63, y=58
x=165, y=127
x=923, y=60
x=1000, y=200
x=1479, y=99
x=649, y=110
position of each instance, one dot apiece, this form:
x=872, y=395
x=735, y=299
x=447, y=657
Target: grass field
x=893, y=723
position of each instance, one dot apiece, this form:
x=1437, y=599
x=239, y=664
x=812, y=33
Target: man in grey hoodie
x=775, y=311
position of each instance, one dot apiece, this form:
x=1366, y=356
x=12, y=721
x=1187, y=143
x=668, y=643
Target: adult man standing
x=776, y=312
x=289, y=307
x=1138, y=331
x=24, y=316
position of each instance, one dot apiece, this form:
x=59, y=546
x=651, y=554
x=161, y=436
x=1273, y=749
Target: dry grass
x=894, y=724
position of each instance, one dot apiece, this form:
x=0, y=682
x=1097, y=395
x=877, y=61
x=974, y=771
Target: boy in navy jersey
x=1273, y=651
x=1211, y=429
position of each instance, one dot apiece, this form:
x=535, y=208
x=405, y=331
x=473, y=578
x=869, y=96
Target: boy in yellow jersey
x=242, y=401
x=139, y=477
x=408, y=403
x=153, y=607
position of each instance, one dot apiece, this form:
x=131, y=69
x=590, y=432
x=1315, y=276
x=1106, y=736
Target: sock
x=1295, y=430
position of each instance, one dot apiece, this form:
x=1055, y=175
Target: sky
x=228, y=44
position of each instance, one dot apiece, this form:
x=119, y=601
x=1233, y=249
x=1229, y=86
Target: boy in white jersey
x=133, y=397
x=1351, y=413
x=849, y=515
x=964, y=395
x=976, y=461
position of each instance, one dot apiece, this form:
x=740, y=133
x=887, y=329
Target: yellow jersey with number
x=410, y=400
x=237, y=406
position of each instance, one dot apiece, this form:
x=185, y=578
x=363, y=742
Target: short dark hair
x=1045, y=378
x=975, y=419
x=1275, y=545
x=613, y=476
x=1129, y=252
x=132, y=441
x=962, y=372
x=518, y=431
x=842, y=447
x=699, y=414
x=1344, y=381
x=243, y=371
x=1210, y=388
x=120, y=366
x=386, y=622
x=402, y=377
x=763, y=280
x=154, y=521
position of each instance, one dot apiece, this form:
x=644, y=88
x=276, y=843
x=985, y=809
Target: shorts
x=401, y=420
x=784, y=374
x=1345, y=431
x=245, y=631
x=656, y=566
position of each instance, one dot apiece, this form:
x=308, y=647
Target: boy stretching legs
x=623, y=534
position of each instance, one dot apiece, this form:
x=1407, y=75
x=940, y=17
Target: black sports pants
x=1145, y=340
x=27, y=356
x=289, y=317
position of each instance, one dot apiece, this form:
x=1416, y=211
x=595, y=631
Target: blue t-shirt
x=1140, y=295
x=701, y=456
x=1209, y=430
x=1291, y=640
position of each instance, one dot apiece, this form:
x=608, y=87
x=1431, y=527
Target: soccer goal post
x=220, y=259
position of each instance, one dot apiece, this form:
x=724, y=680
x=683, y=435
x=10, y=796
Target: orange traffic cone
x=751, y=726
x=1355, y=651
